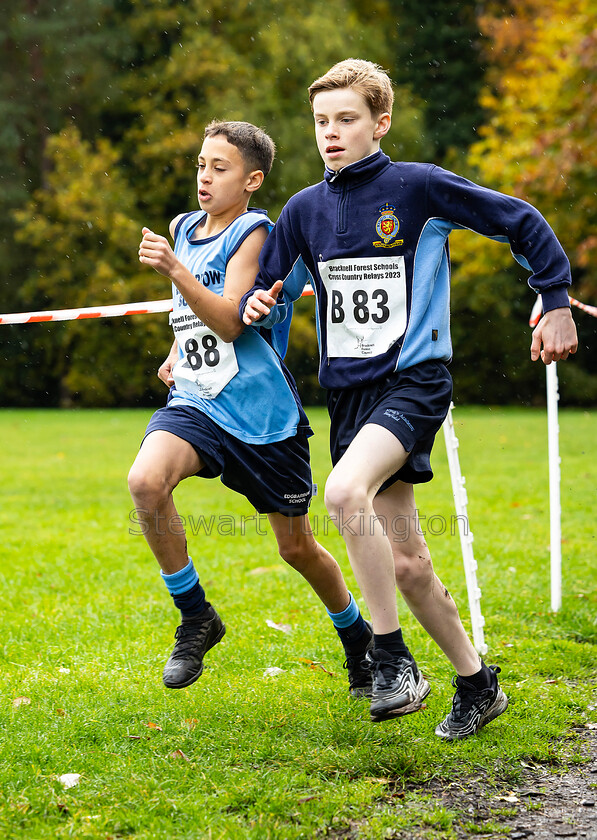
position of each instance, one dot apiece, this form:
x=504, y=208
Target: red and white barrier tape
x=115, y=310
x=119, y=309
x=592, y=310
x=537, y=311
x=149, y=307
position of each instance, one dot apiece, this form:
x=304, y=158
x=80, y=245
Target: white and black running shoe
x=472, y=709
x=399, y=688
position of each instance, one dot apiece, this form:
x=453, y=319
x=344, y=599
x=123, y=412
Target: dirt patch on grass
x=546, y=805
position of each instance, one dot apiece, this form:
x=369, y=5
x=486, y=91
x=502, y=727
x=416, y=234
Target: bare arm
x=165, y=369
x=556, y=331
x=220, y=314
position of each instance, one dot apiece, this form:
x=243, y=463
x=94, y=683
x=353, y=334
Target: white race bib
x=366, y=305
x=208, y=363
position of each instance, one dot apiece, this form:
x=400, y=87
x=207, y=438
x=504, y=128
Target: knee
x=147, y=489
x=414, y=571
x=300, y=551
x=345, y=498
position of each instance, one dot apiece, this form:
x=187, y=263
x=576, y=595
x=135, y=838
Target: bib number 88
x=361, y=311
x=195, y=357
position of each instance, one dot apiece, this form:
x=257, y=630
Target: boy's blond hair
x=257, y=148
x=367, y=78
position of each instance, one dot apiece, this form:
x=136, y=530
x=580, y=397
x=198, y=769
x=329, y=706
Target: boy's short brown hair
x=367, y=78
x=255, y=146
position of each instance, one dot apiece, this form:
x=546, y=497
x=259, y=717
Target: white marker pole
x=555, y=511
x=466, y=536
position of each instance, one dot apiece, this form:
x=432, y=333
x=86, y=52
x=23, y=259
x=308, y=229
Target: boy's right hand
x=165, y=371
x=261, y=303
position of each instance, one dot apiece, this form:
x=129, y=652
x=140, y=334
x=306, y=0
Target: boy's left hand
x=556, y=331
x=155, y=251
x=261, y=303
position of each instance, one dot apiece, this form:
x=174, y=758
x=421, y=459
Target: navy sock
x=350, y=625
x=392, y=643
x=191, y=603
x=482, y=679
x=187, y=593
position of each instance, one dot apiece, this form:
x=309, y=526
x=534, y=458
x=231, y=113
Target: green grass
x=87, y=624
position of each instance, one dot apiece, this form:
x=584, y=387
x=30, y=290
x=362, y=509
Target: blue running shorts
x=274, y=477
x=412, y=404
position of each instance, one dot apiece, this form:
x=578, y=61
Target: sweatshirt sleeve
x=534, y=245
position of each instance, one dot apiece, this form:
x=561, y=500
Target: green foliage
x=84, y=238
x=102, y=110
x=438, y=56
x=87, y=625
x=127, y=159
x=536, y=144
x=541, y=102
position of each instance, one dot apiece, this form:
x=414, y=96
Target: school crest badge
x=387, y=227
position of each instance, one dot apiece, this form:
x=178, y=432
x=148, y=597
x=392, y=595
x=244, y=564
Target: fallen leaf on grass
x=304, y=799
x=61, y=712
x=179, y=754
x=510, y=798
x=191, y=722
x=315, y=665
x=284, y=628
x=69, y=780
x=21, y=701
x=62, y=807
x=151, y=725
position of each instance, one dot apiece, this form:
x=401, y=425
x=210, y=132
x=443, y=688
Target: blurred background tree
x=102, y=110
x=537, y=142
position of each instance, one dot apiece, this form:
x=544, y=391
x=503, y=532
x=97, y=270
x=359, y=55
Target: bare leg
x=299, y=548
x=162, y=462
x=424, y=593
x=373, y=456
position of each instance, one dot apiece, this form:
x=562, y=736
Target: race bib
x=208, y=363
x=366, y=311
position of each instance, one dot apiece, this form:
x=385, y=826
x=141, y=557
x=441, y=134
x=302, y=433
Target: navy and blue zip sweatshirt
x=374, y=240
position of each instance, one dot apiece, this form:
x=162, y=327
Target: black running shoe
x=360, y=680
x=471, y=708
x=194, y=637
x=399, y=688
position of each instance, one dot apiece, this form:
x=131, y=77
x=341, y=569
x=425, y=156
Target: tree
x=84, y=236
x=52, y=73
x=126, y=157
x=438, y=55
x=538, y=144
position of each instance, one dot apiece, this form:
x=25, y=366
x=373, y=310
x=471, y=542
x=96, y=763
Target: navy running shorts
x=412, y=404
x=274, y=477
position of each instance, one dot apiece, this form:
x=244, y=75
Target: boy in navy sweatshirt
x=373, y=236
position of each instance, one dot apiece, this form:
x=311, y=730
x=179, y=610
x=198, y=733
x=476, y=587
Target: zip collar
x=358, y=172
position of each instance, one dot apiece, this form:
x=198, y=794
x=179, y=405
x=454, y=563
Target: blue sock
x=349, y=623
x=186, y=591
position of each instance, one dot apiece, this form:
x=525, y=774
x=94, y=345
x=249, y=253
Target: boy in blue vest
x=233, y=409
x=373, y=236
